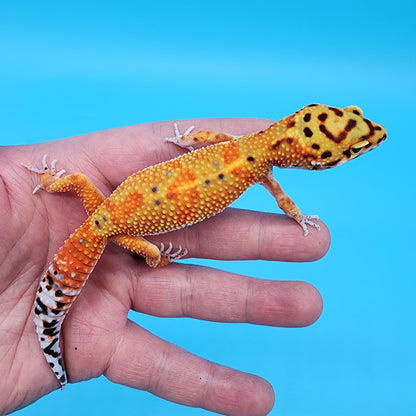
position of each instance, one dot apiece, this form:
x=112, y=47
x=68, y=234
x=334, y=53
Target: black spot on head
x=250, y=159
x=308, y=132
x=55, y=272
x=221, y=176
x=333, y=163
x=322, y=116
x=371, y=127
x=307, y=117
x=382, y=139
x=347, y=153
x=98, y=224
x=316, y=146
x=58, y=292
x=157, y=202
x=356, y=112
x=337, y=111
x=48, y=287
x=62, y=379
x=377, y=128
x=326, y=154
x=207, y=181
x=328, y=134
x=342, y=136
x=350, y=125
x=154, y=189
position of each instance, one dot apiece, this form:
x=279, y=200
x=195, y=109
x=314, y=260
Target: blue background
x=68, y=68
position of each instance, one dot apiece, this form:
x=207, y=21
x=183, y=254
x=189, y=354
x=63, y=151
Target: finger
x=143, y=361
x=215, y=295
x=242, y=235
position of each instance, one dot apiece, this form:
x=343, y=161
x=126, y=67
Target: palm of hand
x=98, y=338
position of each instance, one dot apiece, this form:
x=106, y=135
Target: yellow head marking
x=328, y=136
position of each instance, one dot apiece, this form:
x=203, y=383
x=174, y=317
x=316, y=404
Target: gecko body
x=185, y=190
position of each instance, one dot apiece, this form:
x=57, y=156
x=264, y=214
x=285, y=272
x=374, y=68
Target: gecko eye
x=358, y=146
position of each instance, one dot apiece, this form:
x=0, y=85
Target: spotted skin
x=184, y=191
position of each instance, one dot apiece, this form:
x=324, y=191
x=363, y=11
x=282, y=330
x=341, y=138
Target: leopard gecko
x=184, y=191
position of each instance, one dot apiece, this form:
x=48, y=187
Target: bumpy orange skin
x=179, y=192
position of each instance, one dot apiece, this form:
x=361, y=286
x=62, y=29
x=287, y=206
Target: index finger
x=238, y=234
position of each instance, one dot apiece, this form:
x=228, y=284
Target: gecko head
x=320, y=137
x=330, y=136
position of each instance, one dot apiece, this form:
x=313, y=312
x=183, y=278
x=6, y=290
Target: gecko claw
x=181, y=252
x=51, y=171
x=178, y=139
x=307, y=221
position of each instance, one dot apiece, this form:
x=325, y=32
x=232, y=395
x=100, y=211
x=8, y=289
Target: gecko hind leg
x=48, y=174
x=53, y=181
x=155, y=257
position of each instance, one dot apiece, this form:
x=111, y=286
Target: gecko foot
x=176, y=255
x=178, y=139
x=307, y=220
x=48, y=174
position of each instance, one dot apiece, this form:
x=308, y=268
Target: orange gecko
x=184, y=191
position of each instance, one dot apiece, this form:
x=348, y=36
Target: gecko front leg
x=188, y=140
x=287, y=205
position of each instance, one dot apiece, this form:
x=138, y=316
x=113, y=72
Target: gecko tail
x=51, y=348
x=58, y=289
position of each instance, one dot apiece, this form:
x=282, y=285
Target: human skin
x=98, y=338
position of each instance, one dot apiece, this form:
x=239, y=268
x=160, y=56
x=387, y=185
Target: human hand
x=98, y=338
